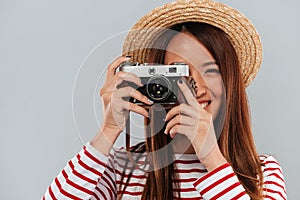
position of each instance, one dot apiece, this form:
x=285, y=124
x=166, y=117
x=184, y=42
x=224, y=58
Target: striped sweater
x=92, y=175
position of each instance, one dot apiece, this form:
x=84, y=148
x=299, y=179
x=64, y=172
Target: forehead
x=185, y=46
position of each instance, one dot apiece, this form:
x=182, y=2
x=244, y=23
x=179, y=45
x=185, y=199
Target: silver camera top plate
x=148, y=70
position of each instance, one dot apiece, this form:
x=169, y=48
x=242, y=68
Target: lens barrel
x=158, y=88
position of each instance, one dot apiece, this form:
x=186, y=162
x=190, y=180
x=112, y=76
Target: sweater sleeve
x=274, y=184
x=89, y=175
x=222, y=183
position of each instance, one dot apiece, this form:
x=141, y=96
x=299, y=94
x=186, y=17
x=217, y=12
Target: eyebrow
x=209, y=63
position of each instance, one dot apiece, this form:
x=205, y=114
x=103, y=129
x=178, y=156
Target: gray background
x=43, y=43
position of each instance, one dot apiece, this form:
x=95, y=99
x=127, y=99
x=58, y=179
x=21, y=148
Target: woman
x=211, y=129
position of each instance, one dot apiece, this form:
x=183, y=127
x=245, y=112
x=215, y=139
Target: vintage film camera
x=159, y=81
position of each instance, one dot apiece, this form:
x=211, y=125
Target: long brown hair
x=236, y=141
x=161, y=178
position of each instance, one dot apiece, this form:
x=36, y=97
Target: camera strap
x=128, y=138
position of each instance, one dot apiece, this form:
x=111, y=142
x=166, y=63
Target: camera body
x=159, y=81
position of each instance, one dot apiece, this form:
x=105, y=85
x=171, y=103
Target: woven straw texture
x=239, y=29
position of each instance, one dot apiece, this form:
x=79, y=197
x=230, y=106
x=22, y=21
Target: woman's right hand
x=115, y=107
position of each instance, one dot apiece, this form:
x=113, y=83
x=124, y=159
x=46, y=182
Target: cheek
x=217, y=91
x=216, y=86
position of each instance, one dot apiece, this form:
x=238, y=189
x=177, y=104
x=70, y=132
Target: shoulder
x=273, y=179
x=270, y=166
x=268, y=160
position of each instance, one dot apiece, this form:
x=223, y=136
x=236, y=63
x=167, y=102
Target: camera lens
x=158, y=88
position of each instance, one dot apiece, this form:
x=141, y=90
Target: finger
x=189, y=97
x=179, y=119
x=127, y=76
x=182, y=109
x=129, y=91
x=115, y=64
x=135, y=108
x=116, y=81
x=181, y=129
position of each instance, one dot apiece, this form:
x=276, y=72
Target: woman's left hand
x=193, y=121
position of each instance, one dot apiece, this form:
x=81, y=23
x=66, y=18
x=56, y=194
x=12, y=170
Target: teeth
x=203, y=105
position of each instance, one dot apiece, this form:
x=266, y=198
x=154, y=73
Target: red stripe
x=51, y=193
x=88, y=167
x=131, y=193
x=203, y=178
x=185, y=190
x=272, y=169
x=110, y=187
x=110, y=161
x=274, y=192
x=65, y=192
x=96, y=196
x=106, y=174
x=140, y=163
x=274, y=183
x=120, y=150
x=133, y=176
x=110, y=194
x=74, y=185
x=93, y=157
x=267, y=196
x=101, y=192
x=217, y=183
x=272, y=162
x=276, y=175
x=263, y=156
x=186, y=161
x=226, y=190
x=80, y=175
x=125, y=159
x=239, y=195
x=104, y=178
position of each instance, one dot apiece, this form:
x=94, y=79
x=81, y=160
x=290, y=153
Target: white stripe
x=237, y=190
x=80, y=169
x=88, y=161
x=220, y=187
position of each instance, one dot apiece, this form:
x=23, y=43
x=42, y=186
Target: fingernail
x=165, y=119
x=150, y=101
x=180, y=81
x=165, y=132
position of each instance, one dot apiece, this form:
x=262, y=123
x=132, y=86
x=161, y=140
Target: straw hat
x=239, y=29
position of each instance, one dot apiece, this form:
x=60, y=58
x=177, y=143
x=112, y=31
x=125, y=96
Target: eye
x=212, y=71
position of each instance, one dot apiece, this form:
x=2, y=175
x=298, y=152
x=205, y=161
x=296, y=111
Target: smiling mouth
x=204, y=104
